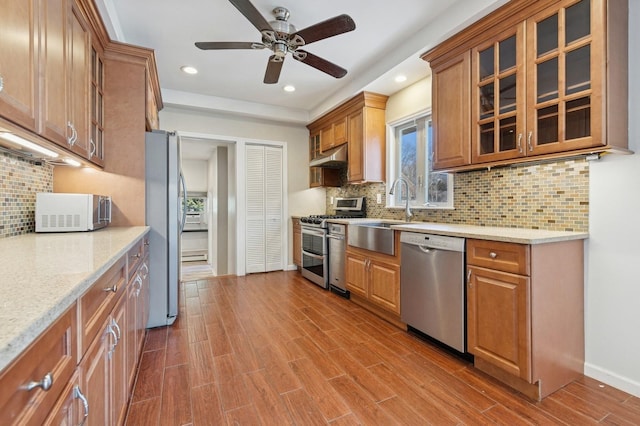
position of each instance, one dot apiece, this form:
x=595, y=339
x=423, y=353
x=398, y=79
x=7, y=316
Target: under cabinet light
x=289, y=88
x=27, y=144
x=72, y=162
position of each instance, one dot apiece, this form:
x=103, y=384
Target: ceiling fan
x=282, y=37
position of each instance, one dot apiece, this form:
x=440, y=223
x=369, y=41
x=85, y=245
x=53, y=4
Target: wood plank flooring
x=274, y=349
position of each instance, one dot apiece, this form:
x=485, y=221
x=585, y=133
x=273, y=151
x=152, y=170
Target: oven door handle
x=315, y=232
x=336, y=237
x=315, y=256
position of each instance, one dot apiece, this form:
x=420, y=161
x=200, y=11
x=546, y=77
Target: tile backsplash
x=20, y=181
x=553, y=196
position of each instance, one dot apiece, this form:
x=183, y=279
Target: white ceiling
x=388, y=39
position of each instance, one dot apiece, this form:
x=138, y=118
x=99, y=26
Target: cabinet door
x=451, y=83
x=384, y=285
x=356, y=274
x=326, y=138
x=340, y=131
x=18, y=67
x=94, y=372
x=499, y=320
x=55, y=68
x=78, y=115
x=96, y=138
x=119, y=374
x=566, y=69
x=70, y=409
x=356, y=146
x=131, y=325
x=498, y=98
x=297, y=243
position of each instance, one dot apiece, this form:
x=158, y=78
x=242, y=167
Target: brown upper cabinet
x=533, y=80
x=359, y=122
x=64, y=63
x=19, y=65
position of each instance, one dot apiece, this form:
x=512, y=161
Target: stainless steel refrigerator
x=165, y=193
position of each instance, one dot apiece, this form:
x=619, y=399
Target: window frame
x=393, y=166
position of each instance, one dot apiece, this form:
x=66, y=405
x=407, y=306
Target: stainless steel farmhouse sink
x=374, y=236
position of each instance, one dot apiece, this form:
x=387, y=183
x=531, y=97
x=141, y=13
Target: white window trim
x=392, y=166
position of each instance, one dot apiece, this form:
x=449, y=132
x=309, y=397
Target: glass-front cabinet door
x=566, y=67
x=498, y=100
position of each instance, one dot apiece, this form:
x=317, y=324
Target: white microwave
x=62, y=212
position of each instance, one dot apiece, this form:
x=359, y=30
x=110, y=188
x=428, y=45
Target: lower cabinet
x=525, y=313
x=374, y=280
x=81, y=368
x=72, y=406
x=297, y=242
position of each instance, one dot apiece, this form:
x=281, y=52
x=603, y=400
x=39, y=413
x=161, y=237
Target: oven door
x=314, y=256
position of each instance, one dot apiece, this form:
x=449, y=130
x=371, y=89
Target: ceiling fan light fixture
x=189, y=70
x=289, y=88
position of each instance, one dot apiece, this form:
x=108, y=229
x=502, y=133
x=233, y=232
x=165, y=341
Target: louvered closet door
x=264, y=209
x=273, y=182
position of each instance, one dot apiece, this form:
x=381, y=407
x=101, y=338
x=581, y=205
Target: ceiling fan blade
x=251, y=13
x=325, y=29
x=218, y=45
x=320, y=64
x=272, y=74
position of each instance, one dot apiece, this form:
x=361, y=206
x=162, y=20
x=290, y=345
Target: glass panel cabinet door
x=498, y=97
x=565, y=69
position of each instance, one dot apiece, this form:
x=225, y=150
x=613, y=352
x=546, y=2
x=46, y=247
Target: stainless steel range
x=315, y=250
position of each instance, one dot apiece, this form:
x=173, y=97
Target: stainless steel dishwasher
x=432, y=286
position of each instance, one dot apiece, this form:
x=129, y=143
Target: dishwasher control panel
x=433, y=241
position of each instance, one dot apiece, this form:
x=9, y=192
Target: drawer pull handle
x=146, y=243
x=113, y=289
x=136, y=256
x=469, y=278
x=77, y=393
x=493, y=255
x=45, y=384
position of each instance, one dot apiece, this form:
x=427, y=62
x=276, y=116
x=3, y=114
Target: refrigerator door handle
x=184, y=202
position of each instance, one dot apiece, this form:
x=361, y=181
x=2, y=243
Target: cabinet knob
x=136, y=256
x=45, y=384
x=113, y=289
x=493, y=255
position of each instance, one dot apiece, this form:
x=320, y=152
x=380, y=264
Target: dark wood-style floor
x=275, y=349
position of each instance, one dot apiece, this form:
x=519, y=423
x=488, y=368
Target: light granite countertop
x=43, y=274
x=510, y=235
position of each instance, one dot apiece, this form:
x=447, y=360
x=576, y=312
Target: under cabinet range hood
x=335, y=157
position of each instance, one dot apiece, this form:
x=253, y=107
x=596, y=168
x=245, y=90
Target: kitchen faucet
x=407, y=209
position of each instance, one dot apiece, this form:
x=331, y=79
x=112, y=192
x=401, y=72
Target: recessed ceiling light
x=189, y=70
x=400, y=78
x=289, y=88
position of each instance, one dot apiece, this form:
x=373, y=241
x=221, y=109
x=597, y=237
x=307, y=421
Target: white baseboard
x=291, y=267
x=612, y=379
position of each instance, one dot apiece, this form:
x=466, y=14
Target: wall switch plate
x=379, y=198
x=330, y=200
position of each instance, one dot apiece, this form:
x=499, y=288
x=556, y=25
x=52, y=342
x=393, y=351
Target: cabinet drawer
x=53, y=352
x=94, y=305
x=507, y=257
x=134, y=257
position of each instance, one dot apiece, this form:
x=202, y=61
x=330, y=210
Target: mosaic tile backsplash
x=20, y=181
x=552, y=196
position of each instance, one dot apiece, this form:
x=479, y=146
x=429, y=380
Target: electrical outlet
x=330, y=200
x=379, y=198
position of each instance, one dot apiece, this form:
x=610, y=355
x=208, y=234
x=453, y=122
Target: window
x=411, y=158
